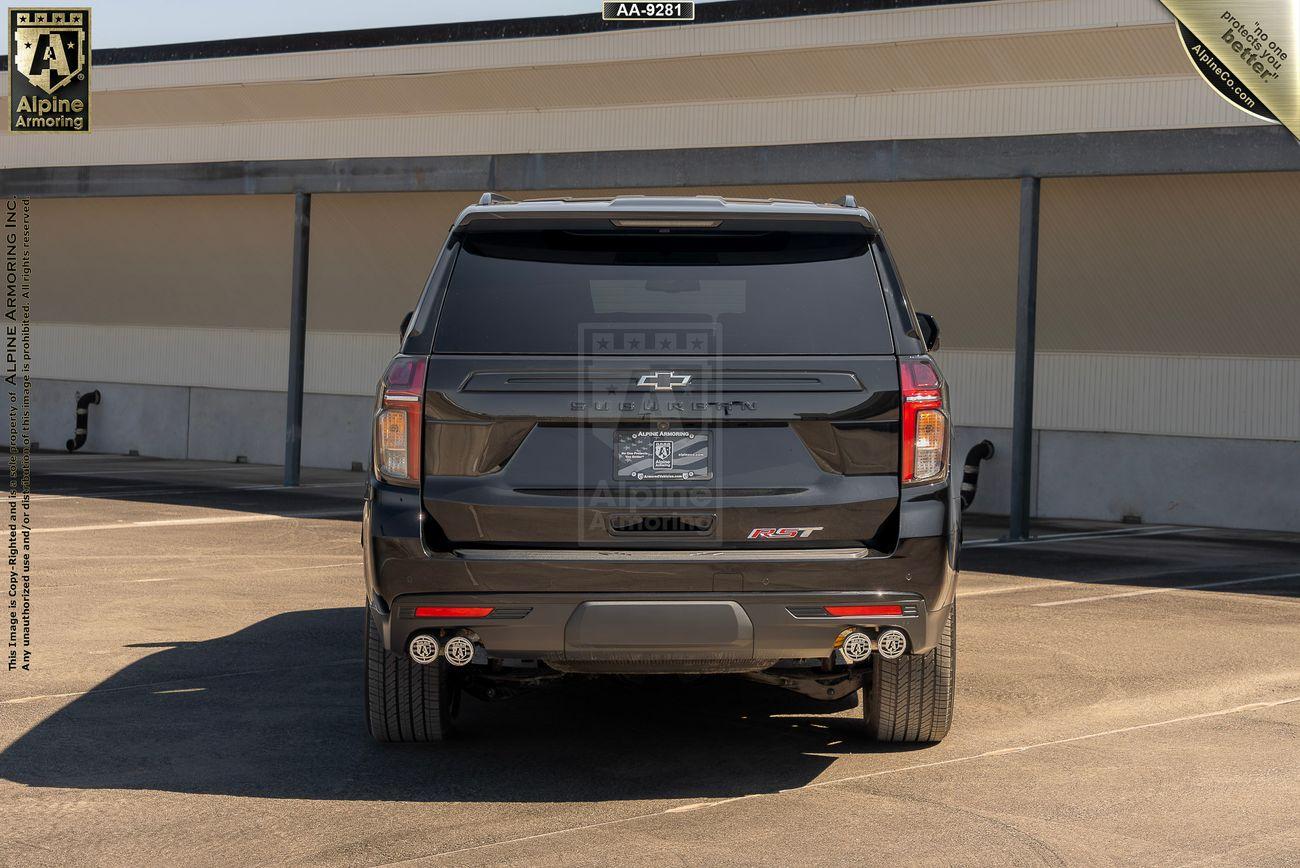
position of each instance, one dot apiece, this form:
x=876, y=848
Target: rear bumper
x=730, y=631
x=743, y=599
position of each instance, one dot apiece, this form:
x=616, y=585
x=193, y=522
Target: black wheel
x=405, y=701
x=911, y=698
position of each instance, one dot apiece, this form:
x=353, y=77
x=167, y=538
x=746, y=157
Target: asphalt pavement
x=1126, y=693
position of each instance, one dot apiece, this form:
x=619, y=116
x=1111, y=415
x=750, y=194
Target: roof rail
x=847, y=201
x=490, y=198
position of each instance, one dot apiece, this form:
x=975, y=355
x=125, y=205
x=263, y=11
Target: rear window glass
x=572, y=293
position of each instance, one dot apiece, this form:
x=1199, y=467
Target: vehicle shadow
x=275, y=710
x=1225, y=561
x=249, y=488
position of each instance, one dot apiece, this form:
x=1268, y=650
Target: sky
x=118, y=23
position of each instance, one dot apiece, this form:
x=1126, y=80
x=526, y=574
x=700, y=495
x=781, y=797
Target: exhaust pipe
x=855, y=646
x=892, y=644
x=423, y=649
x=83, y=418
x=970, y=479
x=459, y=651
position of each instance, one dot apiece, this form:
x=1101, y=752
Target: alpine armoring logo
x=49, y=70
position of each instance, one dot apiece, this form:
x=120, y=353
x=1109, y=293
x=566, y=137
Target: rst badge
x=49, y=70
x=783, y=532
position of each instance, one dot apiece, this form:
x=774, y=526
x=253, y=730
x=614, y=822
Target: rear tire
x=405, y=701
x=911, y=698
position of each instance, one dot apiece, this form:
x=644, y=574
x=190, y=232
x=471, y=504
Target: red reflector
x=841, y=611
x=452, y=611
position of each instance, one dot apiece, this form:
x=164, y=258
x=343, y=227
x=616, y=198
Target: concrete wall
x=1164, y=480
x=203, y=423
x=1090, y=475
x=151, y=419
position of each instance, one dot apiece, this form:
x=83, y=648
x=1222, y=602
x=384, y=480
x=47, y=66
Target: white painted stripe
x=179, y=471
x=1145, y=530
x=1148, y=591
x=989, y=754
x=312, y=567
x=128, y=491
x=233, y=572
x=961, y=595
x=206, y=557
x=100, y=691
x=216, y=519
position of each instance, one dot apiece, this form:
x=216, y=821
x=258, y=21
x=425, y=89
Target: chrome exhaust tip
x=423, y=649
x=459, y=651
x=856, y=646
x=892, y=644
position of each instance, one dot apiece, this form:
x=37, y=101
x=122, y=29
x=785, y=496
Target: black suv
x=661, y=436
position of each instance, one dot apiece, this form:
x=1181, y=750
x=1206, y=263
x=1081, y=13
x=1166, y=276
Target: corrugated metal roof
x=1138, y=104
x=970, y=20
x=862, y=69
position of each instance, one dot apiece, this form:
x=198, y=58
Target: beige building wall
x=1165, y=303
x=224, y=261
x=206, y=261
x=1015, y=67
x=986, y=61
x=371, y=254
x=1204, y=264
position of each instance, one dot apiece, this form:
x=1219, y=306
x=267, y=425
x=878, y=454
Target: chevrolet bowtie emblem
x=663, y=381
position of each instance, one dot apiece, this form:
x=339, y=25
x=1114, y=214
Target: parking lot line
x=814, y=785
x=310, y=567
x=215, y=519
x=203, y=556
x=1145, y=530
x=171, y=470
x=983, y=592
x=76, y=585
x=21, y=700
x=127, y=491
x=1147, y=591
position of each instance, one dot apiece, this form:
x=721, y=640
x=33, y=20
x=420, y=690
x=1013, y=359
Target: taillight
x=400, y=420
x=863, y=611
x=925, y=427
x=452, y=611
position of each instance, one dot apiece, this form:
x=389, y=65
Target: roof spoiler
x=681, y=211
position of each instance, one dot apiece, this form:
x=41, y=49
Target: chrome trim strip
x=661, y=555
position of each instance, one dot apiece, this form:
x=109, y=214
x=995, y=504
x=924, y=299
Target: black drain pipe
x=83, y=418
x=970, y=479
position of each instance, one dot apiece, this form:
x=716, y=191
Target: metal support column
x=297, y=338
x=1022, y=425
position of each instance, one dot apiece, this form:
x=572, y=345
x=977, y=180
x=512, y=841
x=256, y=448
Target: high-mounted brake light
x=399, y=421
x=452, y=611
x=925, y=427
x=666, y=224
x=863, y=611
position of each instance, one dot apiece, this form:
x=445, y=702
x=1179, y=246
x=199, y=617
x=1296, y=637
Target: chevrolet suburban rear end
x=654, y=435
